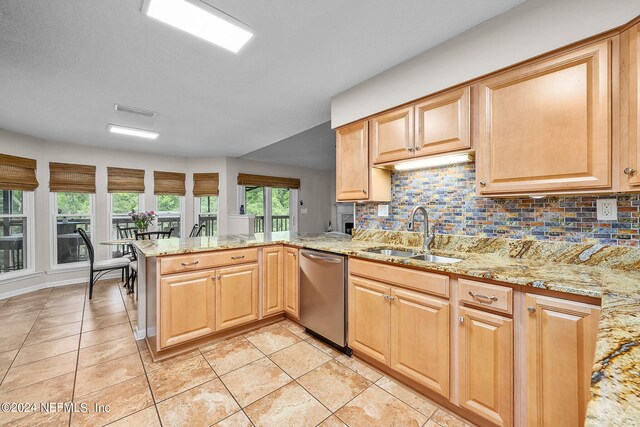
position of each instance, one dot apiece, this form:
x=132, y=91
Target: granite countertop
x=607, y=272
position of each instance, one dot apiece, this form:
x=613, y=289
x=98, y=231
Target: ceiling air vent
x=135, y=110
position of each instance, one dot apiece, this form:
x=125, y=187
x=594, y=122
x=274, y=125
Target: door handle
x=187, y=264
x=322, y=258
x=237, y=257
x=480, y=296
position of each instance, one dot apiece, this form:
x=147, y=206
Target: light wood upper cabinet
x=392, y=135
x=443, y=123
x=236, y=296
x=485, y=365
x=560, y=343
x=420, y=338
x=546, y=126
x=187, y=309
x=272, y=280
x=630, y=109
x=291, y=282
x=369, y=319
x=355, y=178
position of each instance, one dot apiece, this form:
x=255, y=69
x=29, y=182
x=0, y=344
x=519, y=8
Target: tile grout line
x=75, y=374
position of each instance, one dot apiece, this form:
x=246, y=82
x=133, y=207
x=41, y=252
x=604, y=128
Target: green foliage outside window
x=123, y=203
x=168, y=203
x=73, y=203
x=254, y=197
x=279, y=201
x=13, y=201
x=209, y=204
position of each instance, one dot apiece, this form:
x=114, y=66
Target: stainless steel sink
x=436, y=259
x=392, y=252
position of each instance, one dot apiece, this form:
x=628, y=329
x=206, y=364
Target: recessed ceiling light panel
x=201, y=20
x=126, y=130
x=135, y=110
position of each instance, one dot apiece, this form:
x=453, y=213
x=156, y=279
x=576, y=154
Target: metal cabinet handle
x=187, y=264
x=629, y=171
x=480, y=296
x=385, y=296
x=237, y=257
x=531, y=309
x=483, y=183
x=364, y=191
x=392, y=298
x=417, y=149
x=461, y=319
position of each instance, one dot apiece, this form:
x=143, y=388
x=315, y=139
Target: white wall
x=529, y=29
x=315, y=192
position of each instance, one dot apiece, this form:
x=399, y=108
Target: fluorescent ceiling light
x=201, y=20
x=125, y=130
x=430, y=162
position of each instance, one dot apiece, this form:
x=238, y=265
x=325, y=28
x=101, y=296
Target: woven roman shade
x=169, y=183
x=125, y=180
x=205, y=184
x=267, y=181
x=67, y=177
x=17, y=173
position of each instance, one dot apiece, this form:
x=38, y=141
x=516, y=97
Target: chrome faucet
x=428, y=237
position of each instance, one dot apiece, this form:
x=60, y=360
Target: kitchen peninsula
x=206, y=288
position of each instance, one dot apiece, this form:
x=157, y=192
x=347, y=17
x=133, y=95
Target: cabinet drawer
x=436, y=284
x=498, y=298
x=199, y=261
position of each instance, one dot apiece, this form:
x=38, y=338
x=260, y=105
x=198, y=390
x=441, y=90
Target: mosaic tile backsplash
x=448, y=193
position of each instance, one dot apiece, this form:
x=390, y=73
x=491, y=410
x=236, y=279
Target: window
x=207, y=214
x=121, y=205
x=169, y=209
x=15, y=229
x=71, y=211
x=272, y=207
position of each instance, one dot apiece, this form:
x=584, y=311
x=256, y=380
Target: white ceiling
x=64, y=63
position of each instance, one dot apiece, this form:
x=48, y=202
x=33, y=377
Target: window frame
x=196, y=211
x=112, y=252
x=53, y=246
x=182, y=211
x=294, y=195
x=28, y=203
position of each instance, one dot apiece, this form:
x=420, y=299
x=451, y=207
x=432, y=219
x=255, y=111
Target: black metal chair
x=150, y=235
x=145, y=235
x=100, y=268
x=196, y=231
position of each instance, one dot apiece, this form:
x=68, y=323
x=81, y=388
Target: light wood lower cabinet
x=369, y=314
x=485, y=365
x=236, y=296
x=405, y=330
x=272, y=286
x=291, y=282
x=560, y=343
x=420, y=338
x=187, y=307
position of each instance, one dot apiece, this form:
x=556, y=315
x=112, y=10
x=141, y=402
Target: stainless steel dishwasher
x=323, y=296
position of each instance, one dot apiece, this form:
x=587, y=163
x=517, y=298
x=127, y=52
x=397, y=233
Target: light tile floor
x=57, y=346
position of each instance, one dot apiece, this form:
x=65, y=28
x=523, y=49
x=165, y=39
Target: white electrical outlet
x=607, y=209
x=383, y=210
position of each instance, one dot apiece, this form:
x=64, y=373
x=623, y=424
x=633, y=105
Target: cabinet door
x=420, y=338
x=486, y=365
x=392, y=135
x=272, y=286
x=291, y=281
x=187, y=309
x=630, y=163
x=560, y=343
x=236, y=296
x=369, y=312
x=443, y=123
x=547, y=126
x=352, y=162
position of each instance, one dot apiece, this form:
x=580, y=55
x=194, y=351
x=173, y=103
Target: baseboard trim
x=57, y=283
x=139, y=335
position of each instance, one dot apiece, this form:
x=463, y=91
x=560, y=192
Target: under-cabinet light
x=125, y=130
x=430, y=162
x=201, y=20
